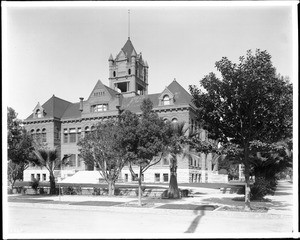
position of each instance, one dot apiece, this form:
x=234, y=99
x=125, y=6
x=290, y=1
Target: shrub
x=34, y=184
x=69, y=191
x=262, y=187
x=96, y=191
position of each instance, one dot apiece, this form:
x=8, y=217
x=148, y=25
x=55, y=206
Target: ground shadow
x=200, y=212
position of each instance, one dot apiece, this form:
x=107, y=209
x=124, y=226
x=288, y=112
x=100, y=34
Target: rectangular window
x=79, y=161
x=166, y=177
x=44, y=137
x=44, y=177
x=165, y=161
x=78, y=134
x=72, y=135
x=72, y=160
x=134, y=178
x=65, y=135
x=157, y=177
x=32, y=177
x=100, y=107
x=38, y=177
x=126, y=177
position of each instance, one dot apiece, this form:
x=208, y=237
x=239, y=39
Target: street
x=46, y=223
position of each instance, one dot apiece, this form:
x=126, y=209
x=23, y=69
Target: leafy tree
x=144, y=139
x=50, y=159
x=249, y=103
x=102, y=148
x=19, y=148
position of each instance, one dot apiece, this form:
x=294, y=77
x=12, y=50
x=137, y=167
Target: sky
x=64, y=50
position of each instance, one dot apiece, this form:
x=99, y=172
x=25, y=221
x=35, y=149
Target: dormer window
x=38, y=113
x=166, y=100
x=99, y=108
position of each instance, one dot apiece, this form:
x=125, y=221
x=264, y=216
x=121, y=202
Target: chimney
x=118, y=95
x=81, y=104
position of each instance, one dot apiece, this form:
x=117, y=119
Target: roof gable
x=101, y=91
x=181, y=96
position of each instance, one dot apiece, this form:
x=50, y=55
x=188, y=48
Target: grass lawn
x=135, y=185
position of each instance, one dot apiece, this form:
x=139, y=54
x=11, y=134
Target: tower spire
x=128, y=23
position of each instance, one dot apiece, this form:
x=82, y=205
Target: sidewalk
x=281, y=204
x=282, y=199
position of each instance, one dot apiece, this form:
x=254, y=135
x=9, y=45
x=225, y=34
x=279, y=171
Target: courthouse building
x=61, y=123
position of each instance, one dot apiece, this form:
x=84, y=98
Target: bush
x=69, y=191
x=34, y=184
x=262, y=187
x=96, y=191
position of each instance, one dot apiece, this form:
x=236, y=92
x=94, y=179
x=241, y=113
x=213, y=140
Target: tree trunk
x=140, y=187
x=52, y=184
x=111, y=188
x=173, y=191
x=247, y=179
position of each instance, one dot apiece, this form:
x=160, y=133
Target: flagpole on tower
x=128, y=23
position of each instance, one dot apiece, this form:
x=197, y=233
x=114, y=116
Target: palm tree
x=49, y=158
x=177, y=147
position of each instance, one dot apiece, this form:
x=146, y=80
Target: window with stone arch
x=174, y=120
x=44, y=135
x=166, y=100
x=38, y=134
x=86, y=130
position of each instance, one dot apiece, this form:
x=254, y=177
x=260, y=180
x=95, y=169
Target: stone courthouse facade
x=60, y=123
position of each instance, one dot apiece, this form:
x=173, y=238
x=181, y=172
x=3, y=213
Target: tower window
x=129, y=71
x=166, y=100
x=114, y=73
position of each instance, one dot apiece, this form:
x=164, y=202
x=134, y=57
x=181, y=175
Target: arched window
x=32, y=132
x=44, y=135
x=165, y=120
x=92, y=128
x=166, y=100
x=174, y=120
x=38, y=134
x=129, y=71
x=114, y=73
x=86, y=130
x=38, y=113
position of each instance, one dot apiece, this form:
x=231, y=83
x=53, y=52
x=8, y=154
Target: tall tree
x=249, y=103
x=50, y=159
x=144, y=140
x=103, y=148
x=19, y=148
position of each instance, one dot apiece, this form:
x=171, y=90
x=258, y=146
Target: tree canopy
x=103, y=148
x=249, y=103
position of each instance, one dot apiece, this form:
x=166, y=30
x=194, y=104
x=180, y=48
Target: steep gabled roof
x=100, y=85
x=54, y=107
x=180, y=94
